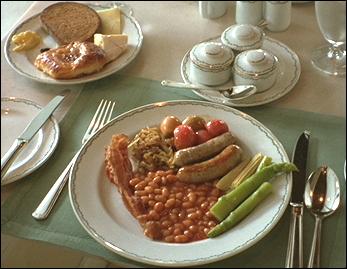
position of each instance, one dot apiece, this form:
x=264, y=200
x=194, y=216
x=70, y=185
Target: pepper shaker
x=278, y=15
x=249, y=12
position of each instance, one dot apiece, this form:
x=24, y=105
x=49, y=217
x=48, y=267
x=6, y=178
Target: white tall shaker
x=278, y=15
x=249, y=12
x=212, y=9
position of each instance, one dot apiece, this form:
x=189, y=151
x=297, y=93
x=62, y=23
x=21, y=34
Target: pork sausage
x=213, y=168
x=203, y=151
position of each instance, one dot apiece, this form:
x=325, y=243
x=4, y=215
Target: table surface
x=167, y=38
x=170, y=29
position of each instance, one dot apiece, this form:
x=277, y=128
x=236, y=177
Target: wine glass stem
x=335, y=52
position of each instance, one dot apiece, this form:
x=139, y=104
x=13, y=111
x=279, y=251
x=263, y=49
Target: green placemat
x=327, y=145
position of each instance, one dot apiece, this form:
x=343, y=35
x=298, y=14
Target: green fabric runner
x=327, y=146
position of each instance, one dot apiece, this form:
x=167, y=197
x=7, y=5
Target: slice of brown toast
x=69, y=21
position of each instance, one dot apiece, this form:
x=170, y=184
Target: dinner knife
x=295, y=241
x=29, y=132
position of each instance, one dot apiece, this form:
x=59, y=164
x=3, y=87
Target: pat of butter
x=25, y=40
x=110, y=21
x=113, y=45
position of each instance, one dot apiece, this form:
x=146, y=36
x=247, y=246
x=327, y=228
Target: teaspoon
x=322, y=198
x=234, y=93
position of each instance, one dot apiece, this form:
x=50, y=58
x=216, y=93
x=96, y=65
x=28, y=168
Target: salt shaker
x=249, y=12
x=212, y=9
x=278, y=15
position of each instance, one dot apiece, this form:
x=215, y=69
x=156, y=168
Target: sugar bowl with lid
x=211, y=63
x=242, y=37
x=257, y=67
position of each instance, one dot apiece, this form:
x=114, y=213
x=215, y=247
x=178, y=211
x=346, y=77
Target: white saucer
x=16, y=113
x=289, y=73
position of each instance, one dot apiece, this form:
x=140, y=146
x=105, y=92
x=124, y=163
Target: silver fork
x=101, y=117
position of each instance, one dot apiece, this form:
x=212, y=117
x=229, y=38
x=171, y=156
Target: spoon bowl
x=322, y=192
x=322, y=198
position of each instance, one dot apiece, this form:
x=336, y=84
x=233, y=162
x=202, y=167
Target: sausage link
x=203, y=151
x=212, y=168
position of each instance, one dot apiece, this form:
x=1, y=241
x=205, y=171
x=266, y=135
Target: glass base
x=330, y=60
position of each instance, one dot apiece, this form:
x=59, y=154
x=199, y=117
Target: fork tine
x=105, y=114
x=97, y=123
x=92, y=122
x=102, y=113
x=111, y=111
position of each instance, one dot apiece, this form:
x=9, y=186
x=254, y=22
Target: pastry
x=72, y=60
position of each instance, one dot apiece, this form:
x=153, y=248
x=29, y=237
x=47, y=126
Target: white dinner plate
x=99, y=207
x=289, y=73
x=16, y=113
x=23, y=62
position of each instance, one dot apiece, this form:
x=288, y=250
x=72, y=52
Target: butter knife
x=295, y=241
x=33, y=127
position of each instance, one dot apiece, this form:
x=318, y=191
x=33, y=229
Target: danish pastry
x=72, y=60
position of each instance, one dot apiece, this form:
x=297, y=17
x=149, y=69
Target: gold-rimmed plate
x=100, y=210
x=16, y=114
x=23, y=62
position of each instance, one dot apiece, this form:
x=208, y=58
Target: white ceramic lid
x=255, y=62
x=211, y=55
x=242, y=37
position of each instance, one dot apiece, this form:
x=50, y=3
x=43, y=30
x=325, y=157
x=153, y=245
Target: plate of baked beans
x=143, y=186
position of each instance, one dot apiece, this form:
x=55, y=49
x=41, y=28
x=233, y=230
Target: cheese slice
x=110, y=21
x=113, y=45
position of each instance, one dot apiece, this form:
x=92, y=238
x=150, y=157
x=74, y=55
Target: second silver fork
x=101, y=117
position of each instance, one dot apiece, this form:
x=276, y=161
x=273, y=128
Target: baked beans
x=176, y=212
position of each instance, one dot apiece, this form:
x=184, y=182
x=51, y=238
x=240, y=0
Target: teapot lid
x=242, y=37
x=211, y=55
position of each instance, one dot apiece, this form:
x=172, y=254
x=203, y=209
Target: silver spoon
x=322, y=198
x=234, y=93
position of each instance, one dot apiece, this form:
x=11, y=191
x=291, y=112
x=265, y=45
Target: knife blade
x=300, y=159
x=29, y=132
x=295, y=241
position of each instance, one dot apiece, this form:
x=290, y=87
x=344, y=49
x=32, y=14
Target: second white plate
x=23, y=62
x=16, y=113
x=289, y=73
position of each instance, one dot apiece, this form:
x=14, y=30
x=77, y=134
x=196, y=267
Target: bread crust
x=69, y=21
x=73, y=60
